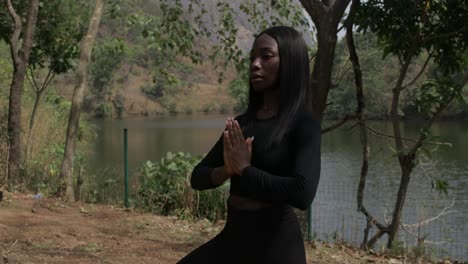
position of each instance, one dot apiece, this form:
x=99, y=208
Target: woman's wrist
x=242, y=168
x=219, y=175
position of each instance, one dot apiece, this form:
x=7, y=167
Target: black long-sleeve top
x=286, y=172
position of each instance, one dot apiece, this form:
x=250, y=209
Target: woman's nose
x=255, y=64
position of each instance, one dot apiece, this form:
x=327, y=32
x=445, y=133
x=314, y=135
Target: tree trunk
x=323, y=67
x=398, y=211
x=31, y=122
x=326, y=16
x=20, y=58
x=66, y=173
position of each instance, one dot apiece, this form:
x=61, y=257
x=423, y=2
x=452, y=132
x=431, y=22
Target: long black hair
x=293, y=80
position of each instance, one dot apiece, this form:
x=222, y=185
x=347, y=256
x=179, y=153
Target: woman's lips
x=256, y=78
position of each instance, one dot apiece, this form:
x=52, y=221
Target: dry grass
x=48, y=231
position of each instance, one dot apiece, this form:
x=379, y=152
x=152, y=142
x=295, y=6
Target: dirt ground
x=50, y=231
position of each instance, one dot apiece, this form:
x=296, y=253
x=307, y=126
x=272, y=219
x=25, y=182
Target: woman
x=271, y=154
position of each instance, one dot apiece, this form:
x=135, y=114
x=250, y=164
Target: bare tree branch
x=375, y=238
x=394, y=108
x=372, y=219
x=422, y=239
x=338, y=9
x=339, y=76
x=427, y=221
x=420, y=72
x=32, y=80
x=50, y=76
x=315, y=8
x=407, y=139
x=337, y=125
x=14, y=47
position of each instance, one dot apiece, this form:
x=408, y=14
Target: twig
x=420, y=72
x=337, y=125
x=427, y=221
x=407, y=139
x=339, y=76
x=5, y=253
x=16, y=32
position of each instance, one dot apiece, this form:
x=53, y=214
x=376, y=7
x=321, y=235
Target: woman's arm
x=210, y=172
x=299, y=190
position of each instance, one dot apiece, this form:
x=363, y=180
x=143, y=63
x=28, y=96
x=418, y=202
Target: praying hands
x=237, y=150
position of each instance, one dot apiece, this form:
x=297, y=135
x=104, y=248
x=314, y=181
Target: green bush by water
x=164, y=188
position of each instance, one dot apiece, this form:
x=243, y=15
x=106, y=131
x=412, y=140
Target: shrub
x=164, y=188
x=209, y=107
x=119, y=104
x=153, y=91
x=103, y=110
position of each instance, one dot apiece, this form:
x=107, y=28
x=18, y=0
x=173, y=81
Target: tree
x=66, y=173
x=59, y=30
x=406, y=29
x=106, y=58
x=20, y=58
x=326, y=16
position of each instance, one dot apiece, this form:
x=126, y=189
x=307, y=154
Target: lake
x=334, y=208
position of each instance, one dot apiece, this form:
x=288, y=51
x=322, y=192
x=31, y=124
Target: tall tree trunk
x=66, y=173
x=323, y=67
x=398, y=210
x=405, y=160
x=326, y=16
x=20, y=58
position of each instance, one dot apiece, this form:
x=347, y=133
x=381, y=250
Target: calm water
x=334, y=208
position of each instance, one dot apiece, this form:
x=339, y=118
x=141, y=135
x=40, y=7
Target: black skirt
x=268, y=235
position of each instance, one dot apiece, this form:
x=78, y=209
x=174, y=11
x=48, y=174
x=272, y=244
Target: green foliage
x=432, y=94
x=42, y=168
x=165, y=189
x=169, y=104
x=60, y=28
x=106, y=59
x=119, y=104
x=103, y=110
x=209, y=107
x=260, y=15
x=166, y=37
x=6, y=68
x=377, y=74
x=239, y=89
x=440, y=185
x=407, y=28
x=153, y=91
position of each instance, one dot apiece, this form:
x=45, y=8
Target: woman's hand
x=237, y=149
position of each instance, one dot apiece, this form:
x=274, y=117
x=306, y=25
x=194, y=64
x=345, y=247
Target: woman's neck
x=271, y=99
x=270, y=103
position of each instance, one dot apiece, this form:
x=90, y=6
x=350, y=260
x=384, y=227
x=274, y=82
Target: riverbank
x=36, y=230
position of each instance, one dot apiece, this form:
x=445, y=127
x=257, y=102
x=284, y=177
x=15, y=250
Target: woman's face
x=264, y=63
